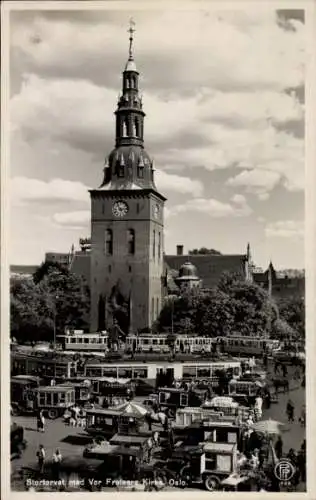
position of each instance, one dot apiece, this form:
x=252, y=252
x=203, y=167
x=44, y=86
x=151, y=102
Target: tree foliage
x=204, y=251
x=53, y=298
x=292, y=311
x=234, y=306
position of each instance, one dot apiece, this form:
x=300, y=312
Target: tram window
x=155, y=341
x=72, y=340
x=109, y=372
x=236, y=370
x=189, y=371
x=145, y=341
x=42, y=400
x=93, y=371
x=86, y=340
x=184, y=400
x=79, y=340
x=55, y=398
x=210, y=461
x=125, y=373
x=140, y=373
x=203, y=371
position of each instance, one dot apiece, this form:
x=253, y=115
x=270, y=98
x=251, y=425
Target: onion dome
x=187, y=276
x=188, y=270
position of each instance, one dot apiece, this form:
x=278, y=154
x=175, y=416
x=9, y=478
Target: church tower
x=127, y=237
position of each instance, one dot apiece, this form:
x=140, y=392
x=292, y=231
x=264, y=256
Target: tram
x=78, y=340
x=165, y=371
x=44, y=365
x=248, y=346
x=160, y=344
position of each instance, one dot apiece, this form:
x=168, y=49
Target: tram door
x=164, y=377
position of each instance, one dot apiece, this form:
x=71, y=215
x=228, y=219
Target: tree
x=234, y=306
x=204, y=251
x=47, y=268
x=30, y=311
x=54, y=299
x=292, y=310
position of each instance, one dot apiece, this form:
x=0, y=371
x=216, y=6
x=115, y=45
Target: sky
x=223, y=93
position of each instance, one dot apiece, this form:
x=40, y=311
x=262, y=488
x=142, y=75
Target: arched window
x=137, y=127
x=109, y=242
x=159, y=245
x=124, y=128
x=154, y=244
x=127, y=83
x=127, y=126
x=134, y=127
x=131, y=241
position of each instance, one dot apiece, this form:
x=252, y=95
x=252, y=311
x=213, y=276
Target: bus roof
x=55, y=388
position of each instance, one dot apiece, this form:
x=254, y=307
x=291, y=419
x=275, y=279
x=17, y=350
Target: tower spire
x=131, y=30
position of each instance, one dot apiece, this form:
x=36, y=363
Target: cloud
x=285, y=229
x=25, y=190
x=256, y=181
x=239, y=199
x=56, y=109
x=213, y=208
x=226, y=51
x=178, y=183
x=241, y=77
x=73, y=220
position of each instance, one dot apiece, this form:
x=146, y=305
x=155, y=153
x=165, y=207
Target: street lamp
x=55, y=315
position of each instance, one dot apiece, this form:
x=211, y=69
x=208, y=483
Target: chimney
x=179, y=249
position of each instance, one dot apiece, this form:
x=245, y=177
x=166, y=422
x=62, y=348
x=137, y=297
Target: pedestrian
x=284, y=370
x=290, y=411
x=279, y=447
x=57, y=458
x=302, y=418
x=148, y=419
x=41, y=421
x=41, y=458
x=268, y=399
x=301, y=464
x=261, y=457
x=156, y=438
x=292, y=456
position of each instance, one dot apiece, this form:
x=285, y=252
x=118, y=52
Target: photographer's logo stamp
x=284, y=471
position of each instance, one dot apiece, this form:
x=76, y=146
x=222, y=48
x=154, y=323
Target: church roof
x=209, y=267
x=80, y=265
x=130, y=65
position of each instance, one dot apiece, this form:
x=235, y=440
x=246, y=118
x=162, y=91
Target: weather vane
x=131, y=31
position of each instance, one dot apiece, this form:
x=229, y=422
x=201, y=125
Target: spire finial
x=131, y=31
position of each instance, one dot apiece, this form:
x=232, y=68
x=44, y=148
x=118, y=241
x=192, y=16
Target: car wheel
x=52, y=414
x=211, y=483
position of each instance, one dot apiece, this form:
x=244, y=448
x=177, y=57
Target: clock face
x=119, y=209
x=156, y=211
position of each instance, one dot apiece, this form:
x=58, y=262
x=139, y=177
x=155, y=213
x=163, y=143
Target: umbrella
x=132, y=408
x=269, y=426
